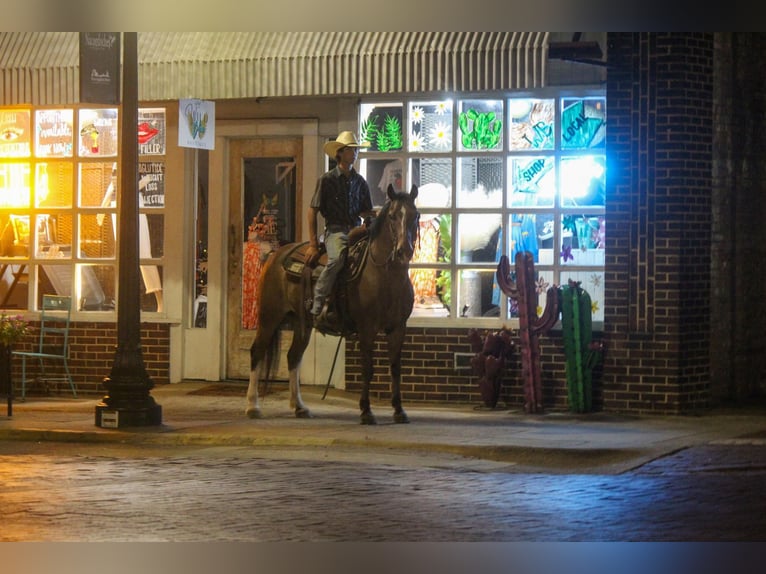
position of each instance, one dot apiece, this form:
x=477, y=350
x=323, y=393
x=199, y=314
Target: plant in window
x=479, y=130
x=386, y=137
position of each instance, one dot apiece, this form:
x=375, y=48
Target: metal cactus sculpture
x=582, y=353
x=491, y=354
x=524, y=290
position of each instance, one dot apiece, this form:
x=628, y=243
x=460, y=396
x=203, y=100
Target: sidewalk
x=212, y=414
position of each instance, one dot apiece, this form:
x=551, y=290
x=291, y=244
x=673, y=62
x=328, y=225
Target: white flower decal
x=440, y=136
x=417, y=114
x=443, y=107
x=416, y=144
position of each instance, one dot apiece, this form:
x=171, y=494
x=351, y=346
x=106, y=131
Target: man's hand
x=312, y=256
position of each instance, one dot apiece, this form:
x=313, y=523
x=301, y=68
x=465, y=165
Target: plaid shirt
x=342, y=199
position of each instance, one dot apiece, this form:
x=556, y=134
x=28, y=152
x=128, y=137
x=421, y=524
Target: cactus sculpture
x=489, y=361
x=582, y=354
x=524, y=290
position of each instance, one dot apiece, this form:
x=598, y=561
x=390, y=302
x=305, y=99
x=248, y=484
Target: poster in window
x=54, y=131
x=15, y=140
x=151, y=131
x=98, y=132
x=151, y=183
x=100, y=67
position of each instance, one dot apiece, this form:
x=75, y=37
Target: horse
x=376, y=296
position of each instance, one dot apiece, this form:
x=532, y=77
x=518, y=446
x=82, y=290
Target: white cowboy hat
x=345, y=139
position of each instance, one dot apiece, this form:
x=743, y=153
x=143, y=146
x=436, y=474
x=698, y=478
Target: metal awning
x=41, y=68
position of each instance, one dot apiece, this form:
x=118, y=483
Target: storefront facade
x=533, y=178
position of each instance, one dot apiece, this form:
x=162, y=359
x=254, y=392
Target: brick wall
x=429, y=373
x=91, y=354
x=659, y=148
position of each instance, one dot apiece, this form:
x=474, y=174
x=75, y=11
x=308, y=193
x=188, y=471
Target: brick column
x=659, y=148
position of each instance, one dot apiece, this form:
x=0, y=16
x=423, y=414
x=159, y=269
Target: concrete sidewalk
x=212, y=414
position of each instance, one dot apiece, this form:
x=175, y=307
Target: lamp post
x=128, y=401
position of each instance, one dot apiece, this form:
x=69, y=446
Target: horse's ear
x=391, y=192
x=413, y=192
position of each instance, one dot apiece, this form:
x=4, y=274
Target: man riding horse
x=342, y=196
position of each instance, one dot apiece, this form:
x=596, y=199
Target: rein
x=394, y=235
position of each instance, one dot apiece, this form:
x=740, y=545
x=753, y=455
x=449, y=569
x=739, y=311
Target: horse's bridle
x=395, y=237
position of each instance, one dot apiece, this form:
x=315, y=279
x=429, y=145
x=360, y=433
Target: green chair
x=53, y=343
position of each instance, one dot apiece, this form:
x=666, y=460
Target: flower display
x=12, y=328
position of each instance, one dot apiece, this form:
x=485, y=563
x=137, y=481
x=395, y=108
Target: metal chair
x=53, y=343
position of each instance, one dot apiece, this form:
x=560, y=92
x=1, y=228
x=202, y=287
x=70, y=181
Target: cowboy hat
x=345, y=139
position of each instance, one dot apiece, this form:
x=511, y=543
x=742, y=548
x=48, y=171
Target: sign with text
x=196, y=124
x=151, y=131
x=151, y=183
x=100, y=67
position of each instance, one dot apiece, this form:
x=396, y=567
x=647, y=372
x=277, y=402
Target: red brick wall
x=429, y=373
x=91, y=354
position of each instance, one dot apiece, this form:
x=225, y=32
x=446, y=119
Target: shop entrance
x=264, y=212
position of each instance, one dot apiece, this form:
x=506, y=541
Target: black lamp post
x=128, y=402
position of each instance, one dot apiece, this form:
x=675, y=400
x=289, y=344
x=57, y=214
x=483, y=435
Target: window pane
x=475, y=294
x=533, y=181
x=381, y=127
x=151, y=227
x=478, y=235
x=532, y=232
x=97, y=236
x=543, y=281
x=583, y=239
x=15, y=185
x=54, y=133
x=481, y=125
x=583, y=181
x=379, y=173
x=433, y=176
x=481, y=182
x=54, y=236
x=531, y=123
x=98, y=184
x=430, y=126
x=54, y=278
x=151, y=288
x=14, y=241
x=593, y=283
x=98, y=132
x=583, y=123
x=53, y=184
x=15, y=133
x=95, y=287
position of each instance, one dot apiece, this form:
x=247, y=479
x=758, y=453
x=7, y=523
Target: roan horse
x=377, y=297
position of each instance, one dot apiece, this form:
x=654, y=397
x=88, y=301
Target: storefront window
x=58, y=206
x=499, y=176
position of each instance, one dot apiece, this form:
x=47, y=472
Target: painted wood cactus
x=582, y=353
x=524, y=290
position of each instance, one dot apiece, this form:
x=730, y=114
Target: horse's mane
x=377, y=223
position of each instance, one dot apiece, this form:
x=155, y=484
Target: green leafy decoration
x=393, y=129
x=369, y=129
x=480, y=130
x=444, y=280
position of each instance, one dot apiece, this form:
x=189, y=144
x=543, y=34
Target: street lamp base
x=119, y=417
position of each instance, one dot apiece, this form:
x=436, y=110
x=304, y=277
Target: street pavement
x=213, y=414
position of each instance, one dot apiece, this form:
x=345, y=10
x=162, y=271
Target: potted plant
x=12, y=329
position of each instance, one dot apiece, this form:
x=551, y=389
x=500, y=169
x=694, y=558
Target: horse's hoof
x=303, y=413
x=254, y=413
x=368, y=419
x=401, y=417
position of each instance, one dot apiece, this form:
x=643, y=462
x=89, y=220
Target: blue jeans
x=336, y=245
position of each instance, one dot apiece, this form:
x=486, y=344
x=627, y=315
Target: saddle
x=294, y=264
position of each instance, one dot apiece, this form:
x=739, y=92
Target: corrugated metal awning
x=42, y=67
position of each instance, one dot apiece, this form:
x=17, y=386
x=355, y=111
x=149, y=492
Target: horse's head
x=399, y=222
x=404, y=220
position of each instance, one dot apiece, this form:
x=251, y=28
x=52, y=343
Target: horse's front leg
x=365, y=348
x=395, y=342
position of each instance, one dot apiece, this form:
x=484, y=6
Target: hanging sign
x=196, y=124
x=100, y=67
